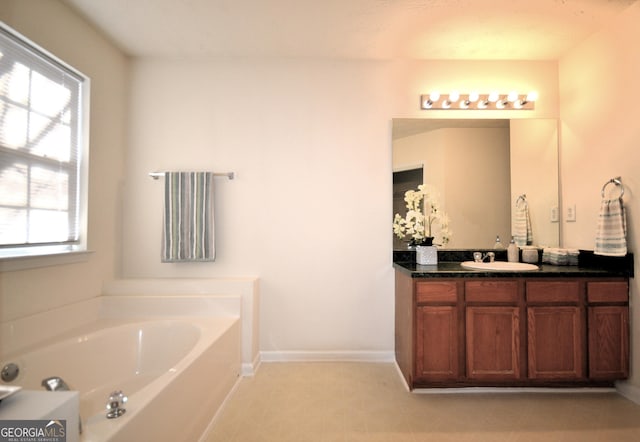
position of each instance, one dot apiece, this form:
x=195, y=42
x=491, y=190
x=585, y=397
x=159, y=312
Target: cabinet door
x=609, y=342
x=493, y=343
x=555, y=342
x=437, y=351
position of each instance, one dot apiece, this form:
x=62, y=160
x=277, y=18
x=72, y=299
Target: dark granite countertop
x=455, y=270
x=589, y=265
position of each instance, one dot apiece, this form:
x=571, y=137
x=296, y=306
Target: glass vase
x=426, y=255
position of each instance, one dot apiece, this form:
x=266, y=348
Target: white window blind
x=41, y=147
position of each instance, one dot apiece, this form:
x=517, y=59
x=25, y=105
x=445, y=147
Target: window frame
x=52, y=249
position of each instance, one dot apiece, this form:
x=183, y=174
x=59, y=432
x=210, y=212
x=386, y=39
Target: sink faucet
x=483, y=257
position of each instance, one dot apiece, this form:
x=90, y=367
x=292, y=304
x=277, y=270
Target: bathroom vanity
x=559, y=326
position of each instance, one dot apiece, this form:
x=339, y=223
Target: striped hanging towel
x=611, y=235
x=522, y=233
x=188, y=233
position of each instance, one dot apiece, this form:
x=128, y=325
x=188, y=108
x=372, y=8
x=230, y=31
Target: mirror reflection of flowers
x=424, y=219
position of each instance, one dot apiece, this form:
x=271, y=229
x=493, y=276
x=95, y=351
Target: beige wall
x=600, y=137
x=534, y=172
x=310, y=211
x=53, y=26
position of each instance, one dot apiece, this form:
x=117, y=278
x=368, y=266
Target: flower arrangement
x=423, y=213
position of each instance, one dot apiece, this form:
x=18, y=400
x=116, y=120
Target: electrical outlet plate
x=554, y=215
x=571, y=213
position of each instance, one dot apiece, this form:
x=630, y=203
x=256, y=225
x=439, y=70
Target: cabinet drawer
x=446, y=291
x=491, y=291
x=553, y=291
x=607, y=292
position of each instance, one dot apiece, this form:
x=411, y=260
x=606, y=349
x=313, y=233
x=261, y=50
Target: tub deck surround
x=193, y=362
x=42, y=405
x=147, y=298
x=21, y=334
x=246, y=288
x=558, y=326
x=161, y=351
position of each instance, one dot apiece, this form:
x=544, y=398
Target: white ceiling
x=373, y=29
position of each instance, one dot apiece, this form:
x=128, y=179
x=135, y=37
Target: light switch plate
x=554, y=215
x=571, y=213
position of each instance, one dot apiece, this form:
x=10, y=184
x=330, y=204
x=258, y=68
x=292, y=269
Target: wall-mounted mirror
x=481, y=167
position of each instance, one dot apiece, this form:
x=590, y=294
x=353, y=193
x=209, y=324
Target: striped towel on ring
x=611, y=234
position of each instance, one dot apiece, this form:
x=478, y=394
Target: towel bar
x=156, y=175
x=618, y=182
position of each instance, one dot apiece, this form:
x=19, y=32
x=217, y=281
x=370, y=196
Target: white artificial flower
x=423, y=215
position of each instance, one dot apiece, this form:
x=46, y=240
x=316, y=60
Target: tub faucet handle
x=10, y=372
x=115, y=404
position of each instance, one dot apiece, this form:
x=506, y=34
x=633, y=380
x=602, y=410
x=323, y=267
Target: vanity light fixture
x=473, y=101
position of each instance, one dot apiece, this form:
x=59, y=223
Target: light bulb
x=493, y=96
x=454, y=96
x=512, y=96
x=473, y=97
x=532, y=96
x=434, y=96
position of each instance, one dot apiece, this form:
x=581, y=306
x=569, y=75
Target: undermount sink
x=499, y=266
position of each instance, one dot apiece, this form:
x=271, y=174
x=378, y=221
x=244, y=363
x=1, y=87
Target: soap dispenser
x=512, y=251
x=498, y=245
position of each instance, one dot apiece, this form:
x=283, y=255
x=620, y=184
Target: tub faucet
x=55, y=383
x=114, y=404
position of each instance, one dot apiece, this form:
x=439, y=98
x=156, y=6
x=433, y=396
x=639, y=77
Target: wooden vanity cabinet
x=453, y=332
x=429, y=330
x=608, y=329
x=438, y=331
x=555, y=330
x=493, y=330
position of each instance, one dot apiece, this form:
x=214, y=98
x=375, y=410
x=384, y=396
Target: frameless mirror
x=480, y=167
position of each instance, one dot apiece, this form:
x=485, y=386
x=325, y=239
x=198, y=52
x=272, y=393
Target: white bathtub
x=176, y=372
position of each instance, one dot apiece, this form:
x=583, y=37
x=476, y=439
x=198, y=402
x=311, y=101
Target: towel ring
x=617, y=181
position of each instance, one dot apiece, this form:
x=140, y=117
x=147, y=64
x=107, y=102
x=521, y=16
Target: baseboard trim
x=327, y=356
x=631, y=392
x=511, y=390
x=248, y=370
x=628, y=390
x=402, y=378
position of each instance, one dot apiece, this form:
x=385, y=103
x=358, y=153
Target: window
x=43, y=151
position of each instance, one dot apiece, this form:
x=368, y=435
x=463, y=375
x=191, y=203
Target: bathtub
x=175, y=371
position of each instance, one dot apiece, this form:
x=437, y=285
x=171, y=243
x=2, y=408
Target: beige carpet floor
x=343, y=401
